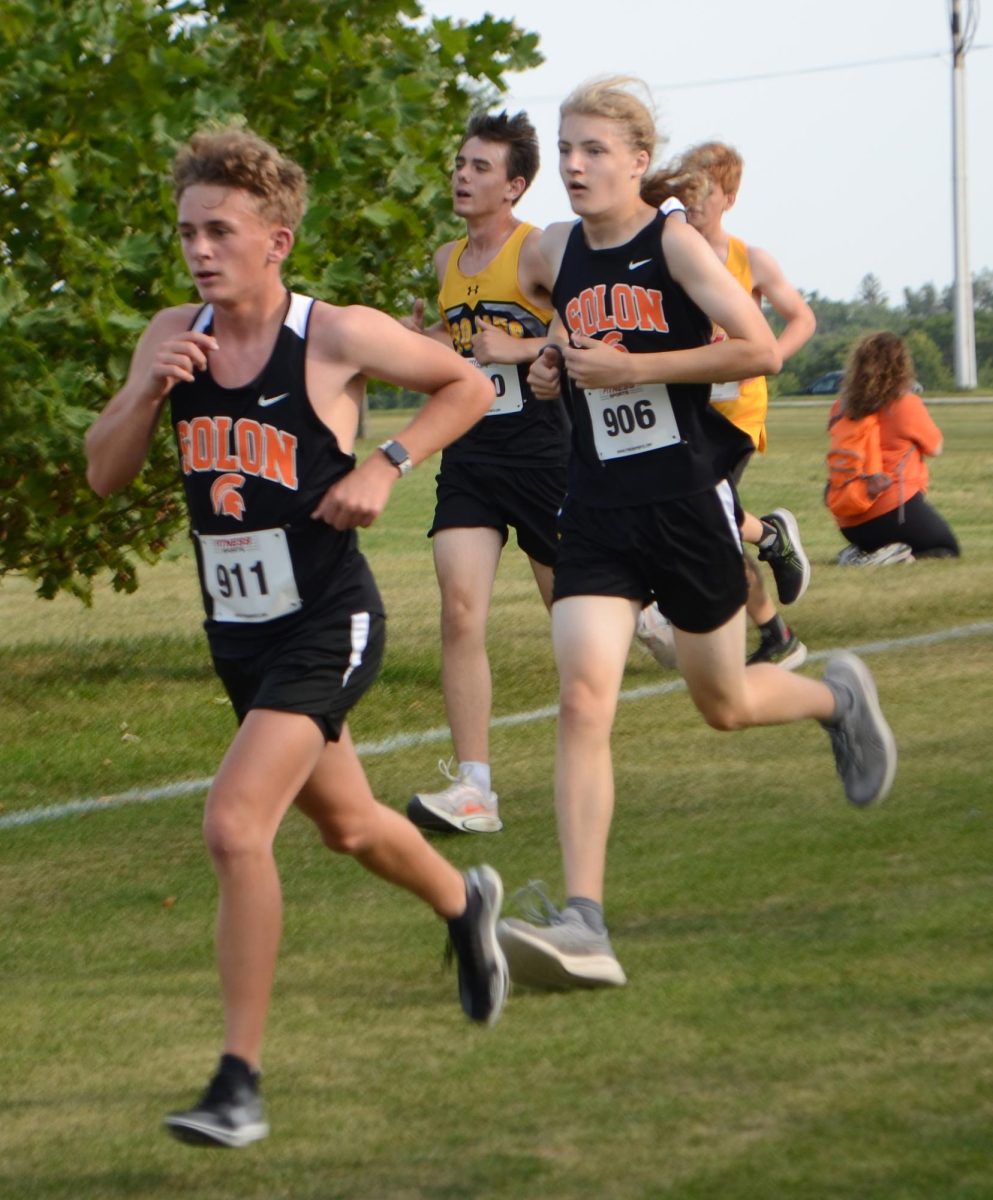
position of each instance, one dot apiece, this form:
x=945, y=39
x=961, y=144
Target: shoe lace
x=445, y=767
x=534, y=904
x=848, y=749
x=781, y=553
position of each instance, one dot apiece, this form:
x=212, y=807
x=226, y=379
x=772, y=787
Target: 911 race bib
x=249, y=576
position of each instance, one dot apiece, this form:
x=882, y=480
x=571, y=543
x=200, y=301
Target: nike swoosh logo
x=265, y=401
x=633, y=266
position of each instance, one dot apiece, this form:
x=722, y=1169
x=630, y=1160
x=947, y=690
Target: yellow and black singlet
x=518, y=430
x=744, y=404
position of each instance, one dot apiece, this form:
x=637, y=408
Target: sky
x=842, y=112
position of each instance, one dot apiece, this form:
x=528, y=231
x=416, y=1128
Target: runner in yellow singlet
x=707, y=178
x=508, y=470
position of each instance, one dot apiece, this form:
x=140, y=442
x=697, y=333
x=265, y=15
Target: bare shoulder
x=551, y=246
x=763, y=266
x=556, y=234
x=534, y=272
x=167, y=322
x=676, y=229
x=684, y=245
x=341, y=331
x=441, y=257
x=331, y=322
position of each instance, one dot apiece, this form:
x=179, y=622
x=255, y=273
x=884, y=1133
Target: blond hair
x=611, y=97
x=238, y=158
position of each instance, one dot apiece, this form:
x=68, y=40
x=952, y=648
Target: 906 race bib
x=249, y=576
x=631, y=420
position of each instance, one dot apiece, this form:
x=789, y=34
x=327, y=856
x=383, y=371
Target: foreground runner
x=265, y=389
x=649, y=511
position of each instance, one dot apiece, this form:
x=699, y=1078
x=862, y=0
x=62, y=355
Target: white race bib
x=249, y=576
x=725, y=391
x=631, y=420
x=507, y=386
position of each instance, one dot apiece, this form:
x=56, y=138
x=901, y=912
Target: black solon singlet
x=652, y=442
x=256, y=461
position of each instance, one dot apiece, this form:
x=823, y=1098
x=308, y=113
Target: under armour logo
x=472, y=289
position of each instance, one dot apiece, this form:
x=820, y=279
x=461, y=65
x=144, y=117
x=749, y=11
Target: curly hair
x=689, y=176
x=517, y=134
x=879, y=370
x=672, y=181
x=238, y=158
x=718, y=161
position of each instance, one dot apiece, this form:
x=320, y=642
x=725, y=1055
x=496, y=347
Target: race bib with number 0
x=508, y=397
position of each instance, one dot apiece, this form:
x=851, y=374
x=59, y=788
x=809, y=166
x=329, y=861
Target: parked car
x=830, y=383
x=825, y=385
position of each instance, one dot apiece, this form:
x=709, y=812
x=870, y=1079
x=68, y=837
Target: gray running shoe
x=886, y=556
x=863, y=743
x=229, y=1114
x=788, y=654
x=790, y=565
x=565, y=953
x=484, y=980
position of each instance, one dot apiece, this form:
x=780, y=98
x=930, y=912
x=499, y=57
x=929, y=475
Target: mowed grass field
x=810, y=1006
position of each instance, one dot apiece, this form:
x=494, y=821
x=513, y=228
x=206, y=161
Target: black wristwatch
x=397, y=455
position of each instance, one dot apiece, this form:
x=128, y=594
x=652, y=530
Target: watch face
x=397, y=455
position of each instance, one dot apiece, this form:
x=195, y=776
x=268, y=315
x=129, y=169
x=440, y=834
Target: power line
x=790, y=73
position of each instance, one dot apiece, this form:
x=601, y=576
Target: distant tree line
x=925, y=319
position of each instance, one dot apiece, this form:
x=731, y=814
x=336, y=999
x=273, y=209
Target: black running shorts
x=684, y=553
x=527, y=499
x=739, y=468
x=320, y=669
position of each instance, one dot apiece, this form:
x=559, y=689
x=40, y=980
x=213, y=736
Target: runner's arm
x=458, y=395
x=769, y=280
x=545, y=376
x=118, y=441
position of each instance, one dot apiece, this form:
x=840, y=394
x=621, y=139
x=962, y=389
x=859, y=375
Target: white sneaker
x=462, y=807
x=655, y=634
x=885, y=556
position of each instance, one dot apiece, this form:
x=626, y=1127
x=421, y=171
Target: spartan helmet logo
x=226, y=499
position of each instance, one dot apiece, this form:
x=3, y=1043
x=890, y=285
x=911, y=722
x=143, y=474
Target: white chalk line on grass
x=425, y=737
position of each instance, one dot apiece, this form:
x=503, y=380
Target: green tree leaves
x=95, y=96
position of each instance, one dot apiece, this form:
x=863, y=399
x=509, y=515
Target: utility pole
x=965, y=328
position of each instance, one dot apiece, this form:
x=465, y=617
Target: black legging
x=923, y=528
